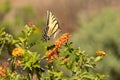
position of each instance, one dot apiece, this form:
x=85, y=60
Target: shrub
x=60, y=61
x=101, y=32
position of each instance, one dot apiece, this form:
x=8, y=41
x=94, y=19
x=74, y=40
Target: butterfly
x=52, y=27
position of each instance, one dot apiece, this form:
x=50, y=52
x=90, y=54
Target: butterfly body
x=52, y=27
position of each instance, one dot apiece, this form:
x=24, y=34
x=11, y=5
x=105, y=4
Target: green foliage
x=101, y=32
x=12, y=76
x=31, y=61
x=27, y=64
x=5, y=39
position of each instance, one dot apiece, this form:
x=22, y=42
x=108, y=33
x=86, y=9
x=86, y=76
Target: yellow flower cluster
x=36, y=29
x=100, y=53
x=51, y=54
x=17, y=52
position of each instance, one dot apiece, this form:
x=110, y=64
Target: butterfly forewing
x=53, y=24
x=52, y=28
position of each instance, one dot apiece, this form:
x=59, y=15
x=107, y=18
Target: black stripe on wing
x=53, y=24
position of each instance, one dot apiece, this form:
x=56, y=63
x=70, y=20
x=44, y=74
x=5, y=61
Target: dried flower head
x=17, y=63
x=5, y=64
x=64, y=59
x=2, y=71
x=30, y=23
x=17, y=52
x=35, y=77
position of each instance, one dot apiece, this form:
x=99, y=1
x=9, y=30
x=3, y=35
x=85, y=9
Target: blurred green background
x=94, y=25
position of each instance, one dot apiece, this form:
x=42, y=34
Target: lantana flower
x=63, y=39
x=51, y=54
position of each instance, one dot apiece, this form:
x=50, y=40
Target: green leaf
x=98, y=58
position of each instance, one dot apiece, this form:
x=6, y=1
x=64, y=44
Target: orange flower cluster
x=63, y=39
x=51, y=54
x=17, y=52
x=100, y=53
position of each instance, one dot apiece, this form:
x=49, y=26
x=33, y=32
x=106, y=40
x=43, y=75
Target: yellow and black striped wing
x=52, y=27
